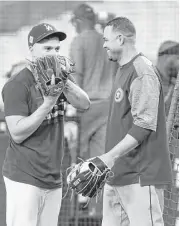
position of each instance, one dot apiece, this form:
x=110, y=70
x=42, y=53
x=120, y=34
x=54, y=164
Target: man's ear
x=121, y=39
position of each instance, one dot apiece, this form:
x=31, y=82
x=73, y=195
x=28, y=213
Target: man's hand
x=51, y=100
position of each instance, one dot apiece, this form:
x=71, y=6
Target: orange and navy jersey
x=137, y=108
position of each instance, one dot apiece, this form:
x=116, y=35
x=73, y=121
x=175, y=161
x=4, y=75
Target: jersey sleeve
x=144, y=100
x=15, y=98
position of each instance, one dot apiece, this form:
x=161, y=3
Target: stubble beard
x=117, y=56
x=113, y=60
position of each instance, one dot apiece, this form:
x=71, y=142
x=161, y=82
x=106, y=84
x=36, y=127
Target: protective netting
x=171, y=195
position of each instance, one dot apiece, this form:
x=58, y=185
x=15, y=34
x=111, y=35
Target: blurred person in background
x=32, y=165
x=168, y=67
x=136, y=139
x=94, y=74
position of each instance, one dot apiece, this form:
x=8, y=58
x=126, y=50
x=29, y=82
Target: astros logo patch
x=118, y=95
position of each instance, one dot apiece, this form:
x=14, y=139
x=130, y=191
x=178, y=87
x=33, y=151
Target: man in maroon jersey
x=136, y=141
x=32, y=166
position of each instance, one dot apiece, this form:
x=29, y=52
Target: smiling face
x=113, y=43
x=46, y=47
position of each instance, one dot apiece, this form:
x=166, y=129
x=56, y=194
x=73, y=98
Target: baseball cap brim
x=59, y=34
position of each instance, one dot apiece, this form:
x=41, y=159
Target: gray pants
x=133, y=205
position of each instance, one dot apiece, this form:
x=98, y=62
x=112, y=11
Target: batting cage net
x=171, y=195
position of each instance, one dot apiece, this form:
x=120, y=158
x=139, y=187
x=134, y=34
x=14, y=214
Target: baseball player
x=136, y=141
x=32, y=164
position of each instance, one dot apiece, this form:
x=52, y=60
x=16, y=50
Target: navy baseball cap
x=84, y=11
x=41, y=31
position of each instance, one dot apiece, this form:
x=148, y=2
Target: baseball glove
x=88, y=178
x=51, y=73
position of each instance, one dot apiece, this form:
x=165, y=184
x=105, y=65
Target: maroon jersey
x=137, y=108
x=37, y=160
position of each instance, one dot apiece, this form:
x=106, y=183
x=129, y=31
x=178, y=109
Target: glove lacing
x=68, y=188
x=99, y=190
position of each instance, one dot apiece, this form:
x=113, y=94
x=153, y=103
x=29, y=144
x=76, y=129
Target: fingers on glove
x=55, y=90
x=52, y=78
x=41, y=68
x=53, y=69
x=68, y=65
x=61, y=72
x=53, y=63
x=50, y=69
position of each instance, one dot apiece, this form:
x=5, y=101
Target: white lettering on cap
x=48, y=27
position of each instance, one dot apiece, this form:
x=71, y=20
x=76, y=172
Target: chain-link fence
x=171, y=196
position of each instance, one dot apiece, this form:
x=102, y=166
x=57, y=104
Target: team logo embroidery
x=48, y=27
x=118, y=95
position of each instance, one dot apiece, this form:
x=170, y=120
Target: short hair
x=123, y=25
